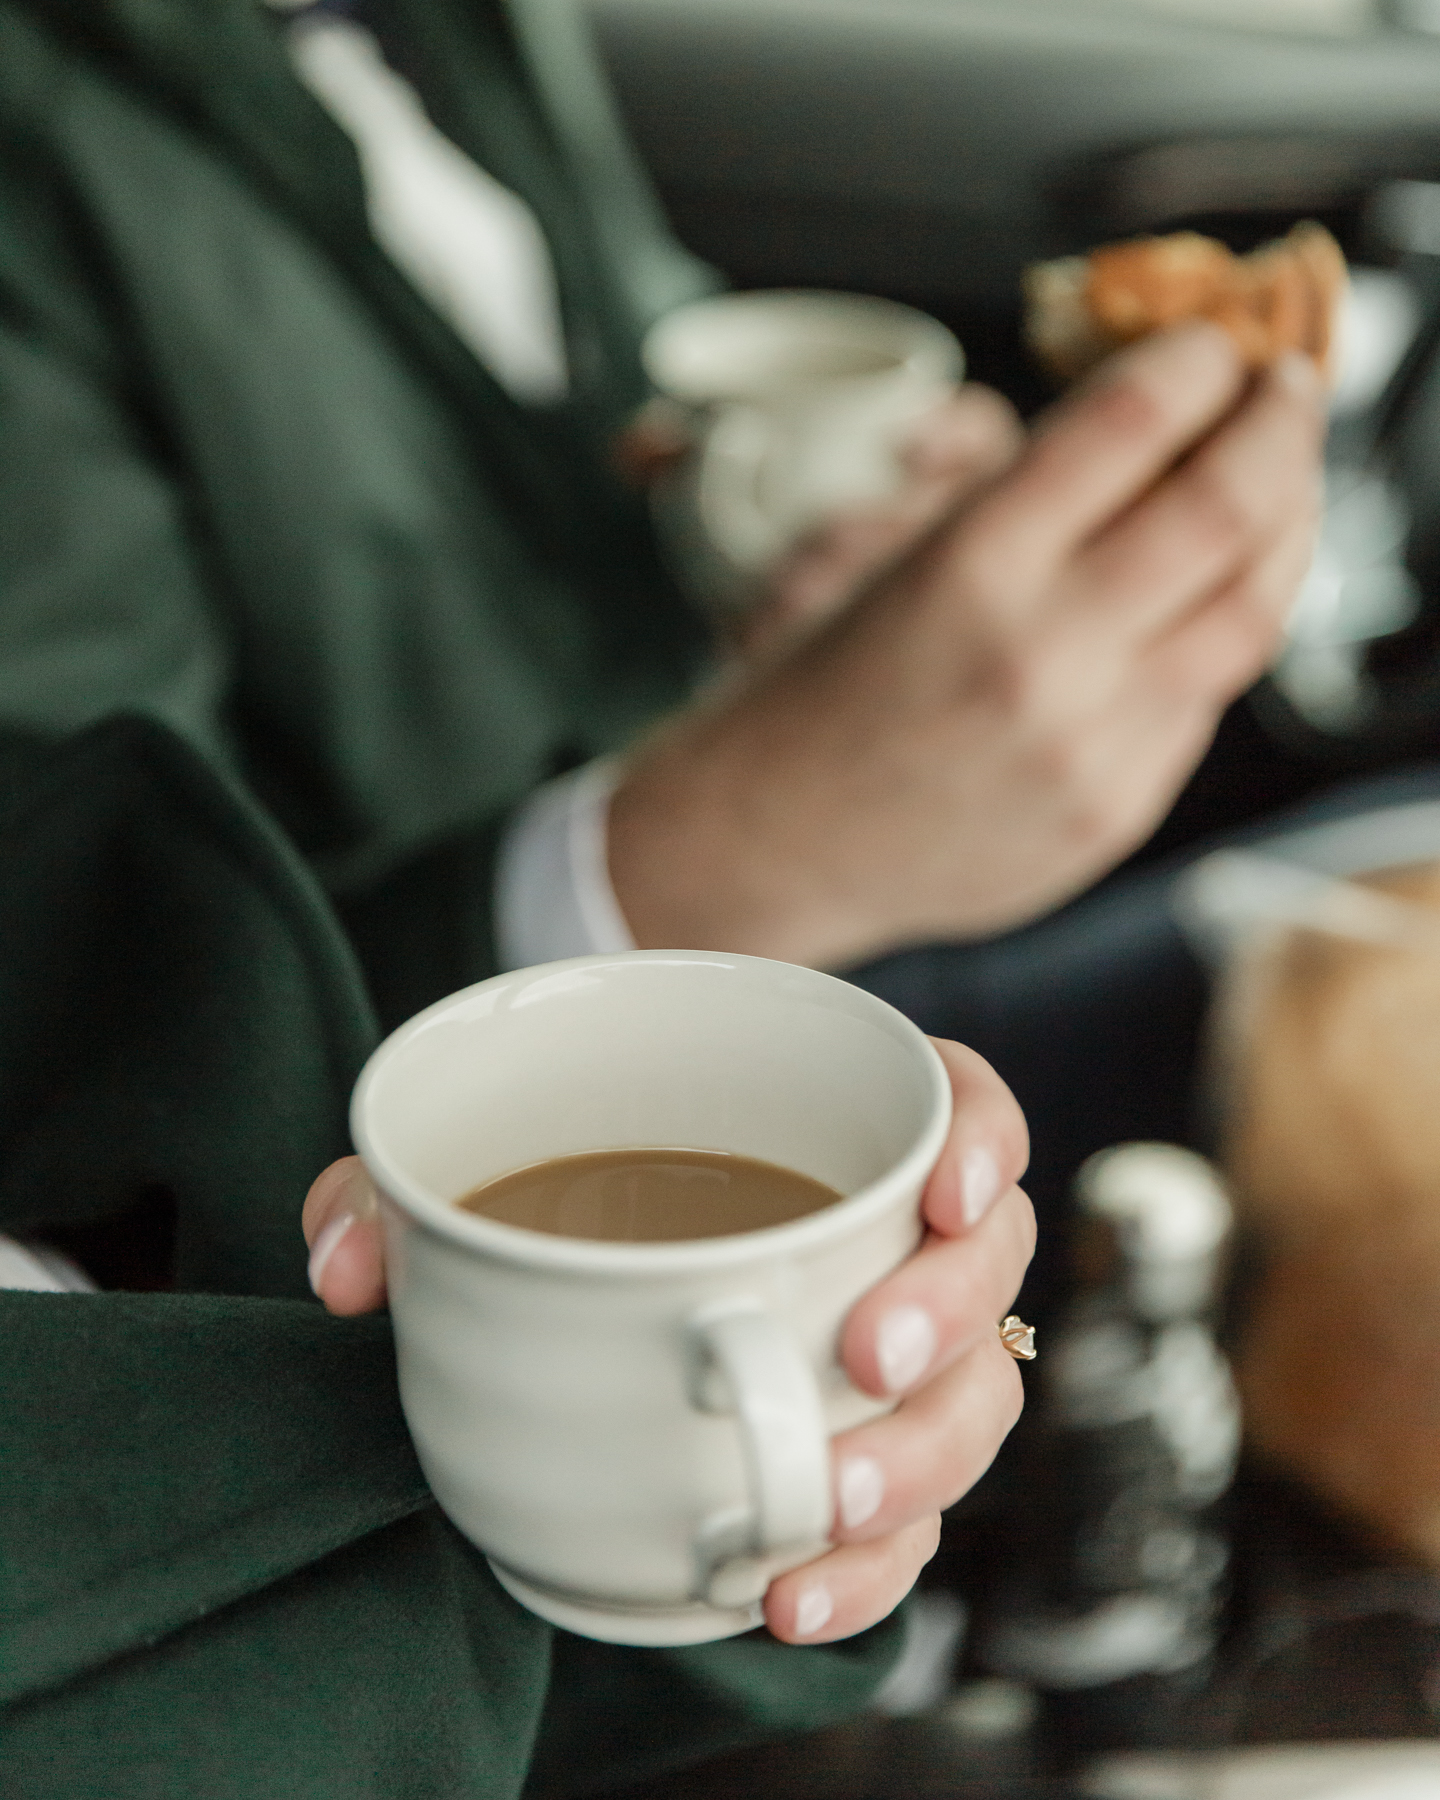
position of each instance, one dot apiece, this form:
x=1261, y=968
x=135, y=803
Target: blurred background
x=929, y=150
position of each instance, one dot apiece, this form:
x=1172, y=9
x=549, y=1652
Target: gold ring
x=1017, y=1337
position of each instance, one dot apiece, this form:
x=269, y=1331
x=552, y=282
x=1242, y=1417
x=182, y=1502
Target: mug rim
x=932, y=349
x=516, y=1244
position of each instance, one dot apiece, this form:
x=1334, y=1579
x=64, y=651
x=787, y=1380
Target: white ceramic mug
x=800, y=402
x=637, y=1433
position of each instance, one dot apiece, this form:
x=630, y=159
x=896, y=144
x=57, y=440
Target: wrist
x=552, y=892
x=695, y=859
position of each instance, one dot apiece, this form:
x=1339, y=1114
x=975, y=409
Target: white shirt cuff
x=553, y=896
x=41, y=1270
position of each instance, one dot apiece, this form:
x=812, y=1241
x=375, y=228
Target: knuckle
x=1128, y=408
x=1219, y=510
x=1018, y=681
x=1098, y=828
x=978, y=565
x=1062, y=767
x=1088, y=804
x=908, y=1549
x=962, y=1454
x=1023, y=1224
x=1256, y=634
x=990, y=424
x=1245, y=632
x=926, y=1537
x=1225, y=670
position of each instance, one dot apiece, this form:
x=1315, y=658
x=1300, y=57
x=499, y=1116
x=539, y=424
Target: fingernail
x=359, y=1191
x=862, y=1488
x=979, y=1183
x=325, y=1248
x=904, y=1346
x=1298, y=375
x=813, y=1610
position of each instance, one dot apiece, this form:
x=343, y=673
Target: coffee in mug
x=636, y=1430
x=649, y=1196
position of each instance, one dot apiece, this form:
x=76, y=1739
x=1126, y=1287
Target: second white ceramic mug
x=637, y=1433
x=802, y=402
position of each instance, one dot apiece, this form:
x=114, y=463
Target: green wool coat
x=294, y=605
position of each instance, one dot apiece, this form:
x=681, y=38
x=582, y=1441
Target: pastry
x=1284, y=296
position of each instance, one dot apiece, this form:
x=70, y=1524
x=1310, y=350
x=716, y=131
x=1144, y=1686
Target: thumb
x=341, y=1223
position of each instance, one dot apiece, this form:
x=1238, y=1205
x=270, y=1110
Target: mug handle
x=748, y=1364
x=734, y=458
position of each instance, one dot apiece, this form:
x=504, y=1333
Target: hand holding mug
x=947, y=458
x=798, y=406
x=963, y=440
x=926, y=1334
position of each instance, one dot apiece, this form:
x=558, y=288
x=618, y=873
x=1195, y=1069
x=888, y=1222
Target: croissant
x=1284, y=296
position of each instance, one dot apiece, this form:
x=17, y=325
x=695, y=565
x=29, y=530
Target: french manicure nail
x=904, y=1346
x=359, y=1191
x=813, y=1610
x=862, y=1488
x=979, y=1183
x=325, y=1247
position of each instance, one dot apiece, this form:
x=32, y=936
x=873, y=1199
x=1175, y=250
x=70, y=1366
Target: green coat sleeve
x=178, y=1006
x=254, y=487
x=222, y=1576
x=221, y=1572
x=105, y=606
x=101, y=597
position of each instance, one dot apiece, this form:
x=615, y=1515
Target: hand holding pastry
x=1010, y=706
x=1285, y=296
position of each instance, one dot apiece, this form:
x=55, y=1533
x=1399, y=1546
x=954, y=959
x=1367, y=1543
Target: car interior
x=929, y=151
